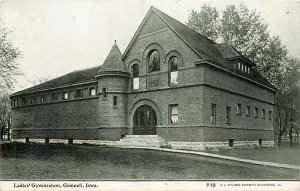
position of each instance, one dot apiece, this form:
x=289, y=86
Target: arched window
x=135, y=75
x=104, y=92
x=154, y=61
x=173, y=70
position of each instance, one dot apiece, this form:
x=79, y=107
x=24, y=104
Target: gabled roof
x=77, y=76
x=200, y=44
x=113, y=62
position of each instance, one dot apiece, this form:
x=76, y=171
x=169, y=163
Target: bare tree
x=9, y=68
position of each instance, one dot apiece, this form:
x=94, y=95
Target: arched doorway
x=144, y=121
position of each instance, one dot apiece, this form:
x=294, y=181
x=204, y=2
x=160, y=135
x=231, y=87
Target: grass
x=282, y=154
x=37, y=161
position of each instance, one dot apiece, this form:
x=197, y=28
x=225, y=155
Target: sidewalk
x=256, y=162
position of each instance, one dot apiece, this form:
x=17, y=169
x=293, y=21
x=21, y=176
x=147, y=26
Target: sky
x=57, y=37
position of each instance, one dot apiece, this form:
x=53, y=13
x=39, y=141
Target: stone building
x=170, y=82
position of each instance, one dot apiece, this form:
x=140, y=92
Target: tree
x=205, y=22
x=5, y=114
x=245, y=30
x=9, y=68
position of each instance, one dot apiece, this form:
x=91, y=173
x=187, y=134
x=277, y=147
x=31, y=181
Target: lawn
x=37, y=161
x=282, y=154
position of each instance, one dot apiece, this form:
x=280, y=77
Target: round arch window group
x=153, y=61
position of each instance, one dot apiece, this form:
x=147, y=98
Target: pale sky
x=59, y=36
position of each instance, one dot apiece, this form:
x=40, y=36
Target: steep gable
x=201, y=45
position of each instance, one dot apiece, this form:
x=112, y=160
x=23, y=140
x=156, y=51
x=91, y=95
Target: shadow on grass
x=55, y=161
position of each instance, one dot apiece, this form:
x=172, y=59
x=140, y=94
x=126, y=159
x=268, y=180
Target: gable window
x=256, y=112
x=104, y=92
x=173, y=67
x=65, y=96
x=153, y=61
x=53, y=96
x=115, y=99
x=174, y=113
x=92, y=91
x=135, y=75
x=263, y=113
x=213, y=113
x=78, y=93
x=270, y=115
x=248, y=111
x=238, y=109
x=228, y=113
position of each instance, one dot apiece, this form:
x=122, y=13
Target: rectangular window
x=23, y=101
x=115, y=99
x=78, y=93
x=256, y=112
x=270, y=115
x=13, y=102
x=136, y=83
x=263, y=114
x=92, y=91
x=248, y=111
x=33, y=100
x=53, y=96
x=228, y=109
x=65, y=95
x=238, y=109
x=42, y=98
x=213, y=113
x=174, y=113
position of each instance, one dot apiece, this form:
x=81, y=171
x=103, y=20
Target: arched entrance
x=144, y=121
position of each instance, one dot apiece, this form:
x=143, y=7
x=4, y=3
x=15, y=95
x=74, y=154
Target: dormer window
x=243, y=67
x=173, y=68
x=153, y=61
x=135, y=75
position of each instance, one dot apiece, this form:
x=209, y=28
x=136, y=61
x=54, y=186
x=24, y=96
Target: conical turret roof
x=113, y=63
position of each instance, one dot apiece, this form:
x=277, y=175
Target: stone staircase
x=142, y=141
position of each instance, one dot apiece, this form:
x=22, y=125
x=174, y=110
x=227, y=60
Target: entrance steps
x=142, y=141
